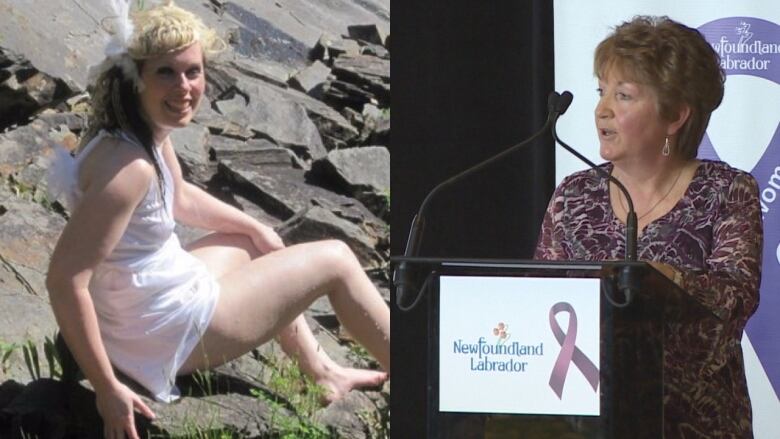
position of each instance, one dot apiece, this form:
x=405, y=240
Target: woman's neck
x=646, y=178
x=159, y=135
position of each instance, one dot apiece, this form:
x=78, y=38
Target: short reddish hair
x=676, y=62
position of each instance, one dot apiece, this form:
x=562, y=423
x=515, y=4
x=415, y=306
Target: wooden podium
x=631, y=346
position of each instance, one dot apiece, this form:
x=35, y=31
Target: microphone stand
x=627, y=280
x=400, y=276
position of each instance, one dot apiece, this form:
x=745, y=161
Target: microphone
x=401, y=280
x=626, y=281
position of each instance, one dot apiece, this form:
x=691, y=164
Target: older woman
x=124, y=291
x=699, y=221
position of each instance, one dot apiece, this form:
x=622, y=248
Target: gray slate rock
x=367, y=73
x=318, y=222
x=282, y=30
x=361, y=172
x=369, y=33
x=28, y=233
x=357, y=170
x=257, y=152
x=270, y=115
x=329, y=47
x=190, y=144
x=354, y=416
x=311, y=79
x=376, y=126
x=334, y=130
x=24, y=90
x=375, y=50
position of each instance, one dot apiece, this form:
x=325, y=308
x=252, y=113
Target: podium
x=625, y=375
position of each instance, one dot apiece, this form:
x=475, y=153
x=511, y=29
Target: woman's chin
x=607, y=153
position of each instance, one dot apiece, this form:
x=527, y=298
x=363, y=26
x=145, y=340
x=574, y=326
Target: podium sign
x=547, y=348
x=519, y=345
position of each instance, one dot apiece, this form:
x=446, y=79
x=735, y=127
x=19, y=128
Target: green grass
x=6, y=349
x=302, y=396
x=29, y=193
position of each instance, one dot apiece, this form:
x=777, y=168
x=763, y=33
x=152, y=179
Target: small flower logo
x=502, y=332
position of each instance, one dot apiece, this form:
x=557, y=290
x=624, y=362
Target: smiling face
x=173, y=86
x=627, y=119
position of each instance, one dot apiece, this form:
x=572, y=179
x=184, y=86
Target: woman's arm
x=729, y=285
x=195, y=207
x=90, y=235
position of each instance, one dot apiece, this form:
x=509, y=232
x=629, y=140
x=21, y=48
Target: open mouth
x=604, y=132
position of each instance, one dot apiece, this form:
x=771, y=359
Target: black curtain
x=470, y=78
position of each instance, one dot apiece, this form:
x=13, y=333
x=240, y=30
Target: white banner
x=519, y=345
x=744, y=131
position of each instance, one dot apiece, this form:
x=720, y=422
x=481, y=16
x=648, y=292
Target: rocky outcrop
x=294, y=131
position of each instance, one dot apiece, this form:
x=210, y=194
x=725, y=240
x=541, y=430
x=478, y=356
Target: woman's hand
x=115, y=406
x=266, y=239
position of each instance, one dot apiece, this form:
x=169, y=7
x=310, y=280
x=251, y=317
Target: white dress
x=153, y=299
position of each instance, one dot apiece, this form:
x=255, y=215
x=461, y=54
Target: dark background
x=469, y=80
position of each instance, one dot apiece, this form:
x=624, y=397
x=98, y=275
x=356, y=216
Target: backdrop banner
x=744, y=132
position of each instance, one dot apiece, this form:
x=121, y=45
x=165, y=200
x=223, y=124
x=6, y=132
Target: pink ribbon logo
x=569, y=352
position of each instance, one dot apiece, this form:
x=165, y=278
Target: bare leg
x=264, y=296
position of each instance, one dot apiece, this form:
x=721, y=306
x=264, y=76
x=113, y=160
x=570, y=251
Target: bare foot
x=340, y=380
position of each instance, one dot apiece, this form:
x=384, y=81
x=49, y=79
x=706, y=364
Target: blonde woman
x=123, y=289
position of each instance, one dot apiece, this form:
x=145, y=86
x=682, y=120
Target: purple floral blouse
x=714, y=236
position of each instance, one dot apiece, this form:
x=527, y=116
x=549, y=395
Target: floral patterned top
x=714, y=236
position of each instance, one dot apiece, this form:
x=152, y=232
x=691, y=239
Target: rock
x=329, y=47
x=273, y=73
x=58, y=39
x=27, y=239
x=311, y=79
x=319, y=223
x=376, y=127
x=24, y=318
x=364, y=173
x=355, y=118
x=22, y=147
x=257, y=152
x=352, y=416
x=285, y=192
x=270, y=115
x=342, y=94
x=363, y=68
x=334, y=130
x=243, y=415
x=368, y=33
x=190, y=146
x=24, y=90
x=210, y=117
x=365, y=78
x=375, y=50
x=284, y=30
x=66, y=122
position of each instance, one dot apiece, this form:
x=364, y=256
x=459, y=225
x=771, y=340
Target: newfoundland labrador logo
x=746, y=45
x=499, y=357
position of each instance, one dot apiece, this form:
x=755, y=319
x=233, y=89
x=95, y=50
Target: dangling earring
x=666, y=150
